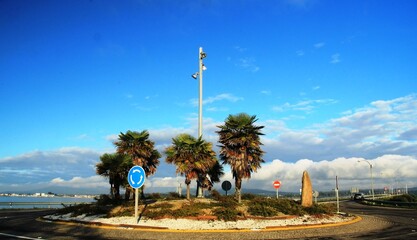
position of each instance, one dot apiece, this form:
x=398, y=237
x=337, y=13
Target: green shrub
x=173, y=196
x=226, y=214
x=154, y=196
x=215, y=195
x=105, y=199
x=404, y=198
x=248, y=196
x=152, y=214
x=227, y=202
x=191, y=210
x=320, y=209
x=163, y=205
x=262, y=210
x=87, y=209
x=270, y=207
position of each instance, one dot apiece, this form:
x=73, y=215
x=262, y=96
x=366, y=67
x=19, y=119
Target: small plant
x=215, y=195
x=227, y=202
x=248, y=196
x=154, y=196
x=262, y=210
x=173, y=196
x=153, y=214
x=163, y=205
x=320, y=209
x=268, y=207
x=404, y=198
x=226, y=214
x=87, y=209
x=187, y=211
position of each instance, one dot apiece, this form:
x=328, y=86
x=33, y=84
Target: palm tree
x=213, y=175
x=115, y=167
x=240, y=147
x=138, y=146
x=194, y=158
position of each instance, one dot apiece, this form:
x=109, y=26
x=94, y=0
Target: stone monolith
x=306, y=191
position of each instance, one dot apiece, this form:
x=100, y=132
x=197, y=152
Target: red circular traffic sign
x=277, y=184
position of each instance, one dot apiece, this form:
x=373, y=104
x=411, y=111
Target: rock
x=306, y=191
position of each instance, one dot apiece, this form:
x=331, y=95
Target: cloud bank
x=382, y=133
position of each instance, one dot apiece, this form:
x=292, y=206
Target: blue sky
x=330, y=80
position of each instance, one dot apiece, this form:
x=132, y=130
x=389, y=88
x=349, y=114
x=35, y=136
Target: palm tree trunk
x=142, y=192
x=111, y=192
x=188, y=191
x=238, y=186
x=127, y=194
x=116, y=191
x=199, y=192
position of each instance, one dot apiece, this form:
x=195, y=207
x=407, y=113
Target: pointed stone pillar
x=306, y=191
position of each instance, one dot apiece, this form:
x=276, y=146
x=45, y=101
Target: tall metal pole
x=372, y=178
x=200, y=107
x=200, y=94
x=372, y=182
x=337, y=195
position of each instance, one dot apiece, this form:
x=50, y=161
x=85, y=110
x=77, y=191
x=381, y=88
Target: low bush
x=404, y=198
x=87, y=209
x=320, y=209
x=191, y=210
x=248, y=196
x=226, y=214
x=261, y=205
x=262, y=210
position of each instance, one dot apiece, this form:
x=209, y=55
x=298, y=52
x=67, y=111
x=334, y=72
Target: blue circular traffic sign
x=136, y=177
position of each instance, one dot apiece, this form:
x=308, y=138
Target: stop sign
x=277, y=184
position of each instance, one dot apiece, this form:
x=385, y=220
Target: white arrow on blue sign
x=136, y=177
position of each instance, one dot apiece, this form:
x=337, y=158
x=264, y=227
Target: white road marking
x=16, y=236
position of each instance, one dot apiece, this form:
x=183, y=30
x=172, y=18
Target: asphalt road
x=377, y=223
x=403, y=222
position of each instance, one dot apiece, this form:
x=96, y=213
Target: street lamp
x=372, y=178
x=201, y=68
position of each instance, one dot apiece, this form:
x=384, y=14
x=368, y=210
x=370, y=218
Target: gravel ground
x=186, y=224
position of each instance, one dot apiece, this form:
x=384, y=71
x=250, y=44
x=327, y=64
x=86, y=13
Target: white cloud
x=81, y=182
x=388, y=170
x=319, y=45
x=248, y=63
x=300, y=53
x=266, y=92
x=383, y=132
x=335, y=58
x=240, y=49
x=221, y=97
x=42, y=165
x=305, y=105
x=368, y=132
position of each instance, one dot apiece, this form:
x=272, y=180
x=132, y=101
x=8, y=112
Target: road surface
x=377, y=223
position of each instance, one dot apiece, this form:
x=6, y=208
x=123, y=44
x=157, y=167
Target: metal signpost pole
x=136, y=179
x=276, y=184
x=136, y=204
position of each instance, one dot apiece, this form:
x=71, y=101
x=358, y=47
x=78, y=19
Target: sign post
x=136, y=179
x=315, y=195
x=276, y=185
x=226, y=186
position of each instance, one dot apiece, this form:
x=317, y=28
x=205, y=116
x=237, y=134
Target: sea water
x=18, y=202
